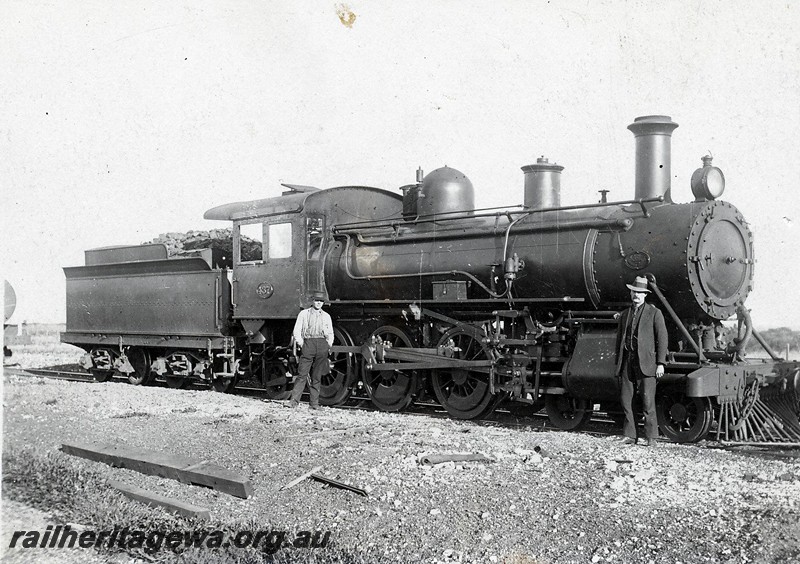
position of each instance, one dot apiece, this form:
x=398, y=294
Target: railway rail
x=599, y=426
x=501, y=416
x=50, y=373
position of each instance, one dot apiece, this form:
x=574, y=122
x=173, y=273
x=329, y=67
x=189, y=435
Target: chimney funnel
x=653, y=156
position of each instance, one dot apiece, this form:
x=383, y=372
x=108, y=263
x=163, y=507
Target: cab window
x=251, y=237
x=279, y=240
x=314, y=234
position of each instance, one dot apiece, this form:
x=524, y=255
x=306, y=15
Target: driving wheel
x=336, y=387
x=391, y=390
x=464, y=391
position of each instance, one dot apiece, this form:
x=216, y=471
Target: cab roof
x=292, y=201
x=288, y=202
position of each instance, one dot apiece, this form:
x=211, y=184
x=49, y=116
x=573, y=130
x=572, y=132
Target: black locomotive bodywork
x=137, y=301
x=474, y=307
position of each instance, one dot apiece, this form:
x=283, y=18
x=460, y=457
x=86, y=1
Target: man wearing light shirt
x=313, y=333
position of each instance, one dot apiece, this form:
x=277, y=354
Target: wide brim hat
x=317, y=296
x=639, y=285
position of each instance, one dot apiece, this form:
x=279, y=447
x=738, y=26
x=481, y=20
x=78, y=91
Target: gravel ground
x=18, y=516
x=581, y=498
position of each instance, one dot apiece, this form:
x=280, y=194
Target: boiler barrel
x=550, y=245
x=700, y=254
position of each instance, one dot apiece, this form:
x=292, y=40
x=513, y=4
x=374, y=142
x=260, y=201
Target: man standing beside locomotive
x=313, y=333
x=644, y=355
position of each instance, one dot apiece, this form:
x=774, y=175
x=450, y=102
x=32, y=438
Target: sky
x=123, y=120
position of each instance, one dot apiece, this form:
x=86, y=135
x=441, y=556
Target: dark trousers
x=634, y=383
x=313, y=364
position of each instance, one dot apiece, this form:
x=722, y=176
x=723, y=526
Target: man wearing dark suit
x=643, y=350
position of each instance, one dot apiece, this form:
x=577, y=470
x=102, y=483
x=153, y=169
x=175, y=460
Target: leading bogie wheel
x=614, y=412
x=391, y=390
x=464, y=392
x=681, y=418
x=521, y=409
x=567, y=413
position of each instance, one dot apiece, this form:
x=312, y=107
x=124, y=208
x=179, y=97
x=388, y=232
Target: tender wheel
x=277, y=385
x=219, y=381
x=176, y=382
x=566, y=412
x=104, y=358
x=179, y=365
x=140, y=360
x=683, y=419
x=464, y=392
x=391, y=390
x=223, y=385
x=337, y=386
x=101, y=375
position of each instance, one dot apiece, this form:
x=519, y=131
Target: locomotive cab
x=272, y=254
x=280, y=249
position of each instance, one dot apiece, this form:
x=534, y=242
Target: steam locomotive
x=475, y=307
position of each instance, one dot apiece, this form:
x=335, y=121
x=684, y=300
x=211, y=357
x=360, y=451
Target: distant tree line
x=777, y=339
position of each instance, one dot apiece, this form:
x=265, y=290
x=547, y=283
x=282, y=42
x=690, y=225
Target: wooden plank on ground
x=174, y=467
x=301, y=478
x=338, y=484
x=156, y=500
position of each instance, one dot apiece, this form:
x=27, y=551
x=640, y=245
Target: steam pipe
x=623, y=224
x=415, y=274
x=457, y=216
x=652, y=283
x=764, y=344
x=740, y=343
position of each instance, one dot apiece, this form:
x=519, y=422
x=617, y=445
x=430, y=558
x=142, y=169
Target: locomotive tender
x=476, y=307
